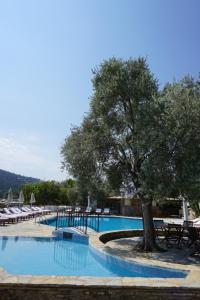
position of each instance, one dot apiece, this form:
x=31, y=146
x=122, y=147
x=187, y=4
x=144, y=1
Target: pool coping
x=192, y=280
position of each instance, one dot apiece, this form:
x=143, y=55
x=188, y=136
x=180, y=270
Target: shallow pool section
x=105, y=223
x=55, y=256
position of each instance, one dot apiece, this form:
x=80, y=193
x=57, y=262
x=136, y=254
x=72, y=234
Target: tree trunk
x=149, y=241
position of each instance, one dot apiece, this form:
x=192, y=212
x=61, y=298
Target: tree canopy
x=137, y=137
x=50, y=192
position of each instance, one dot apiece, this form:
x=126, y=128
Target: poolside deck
x=127, y=248
x=26, y=228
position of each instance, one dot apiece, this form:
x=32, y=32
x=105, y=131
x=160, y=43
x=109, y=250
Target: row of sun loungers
x=89, y=210
x=15, y=214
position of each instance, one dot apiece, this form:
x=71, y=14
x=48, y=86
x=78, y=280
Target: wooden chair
x=194, y=239
x=188, y=224
x=173, y=235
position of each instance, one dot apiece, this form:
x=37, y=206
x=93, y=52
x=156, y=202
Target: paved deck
x=26, y=228
x=127, y=248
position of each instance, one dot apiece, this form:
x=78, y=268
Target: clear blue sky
x=47, y=51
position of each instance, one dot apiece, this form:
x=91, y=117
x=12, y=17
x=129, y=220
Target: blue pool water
x=105, y=223
x=54, y=256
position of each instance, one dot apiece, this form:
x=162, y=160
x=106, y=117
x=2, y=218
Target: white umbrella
x=32, y=200
x=21, y=197
x=185, y=209
x=10, y=196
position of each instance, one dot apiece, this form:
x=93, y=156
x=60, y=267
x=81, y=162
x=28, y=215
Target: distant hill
x=15, y=181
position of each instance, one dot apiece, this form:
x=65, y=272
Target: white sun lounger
x=98, y=210
x=196, y=224
x=26, y=209
x=88, y=210
x=77, y=209
x=196, y=220
x=46, y=211
x=11, y=217
x=29, y=213
x=106, y=211
x=41, y=210
x=69, y=209
x=17, y=213
x=10, y=213
x=3, y=220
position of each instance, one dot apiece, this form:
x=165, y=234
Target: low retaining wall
x=114, y=235
x=56, y=292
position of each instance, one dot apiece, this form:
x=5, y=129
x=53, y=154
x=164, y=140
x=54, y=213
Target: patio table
x=172, y=234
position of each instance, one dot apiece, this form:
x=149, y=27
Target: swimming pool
x=105, y=223
x=55, y=256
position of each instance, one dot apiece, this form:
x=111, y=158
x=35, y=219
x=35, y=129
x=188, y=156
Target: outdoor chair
x=98, y=211
x=88, y=210
x=12, y=214
x=159, y=228
x=27, y=214
x=196, y=224
x=69, y=209
x=185, y=237
x=34, y=212
x=10, y=218
x=45, y=211
x=41, y=210
x=158, y=223
x=77, y=209
x=193, y=234
x=3, y=220
x=23, y=215
x=188, y=224
x=17, y=211
x=196, y=220
x=106, y=211
x=173, y=234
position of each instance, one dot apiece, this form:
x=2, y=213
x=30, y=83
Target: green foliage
x=174, y=166
x=79, y=157
x=69, y=183
x=73, y=196
x=110, y=142
x=47, y=193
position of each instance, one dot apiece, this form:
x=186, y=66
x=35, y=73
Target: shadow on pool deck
x=127, y=248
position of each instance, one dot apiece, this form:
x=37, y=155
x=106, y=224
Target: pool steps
x=71, y=233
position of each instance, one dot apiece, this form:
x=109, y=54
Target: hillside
x=15, y=181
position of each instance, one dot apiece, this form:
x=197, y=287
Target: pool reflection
x=70, y=257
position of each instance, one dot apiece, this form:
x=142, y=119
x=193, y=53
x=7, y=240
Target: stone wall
x=114, y=235
x=56, y=292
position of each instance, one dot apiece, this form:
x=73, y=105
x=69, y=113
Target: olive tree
x=115, y=136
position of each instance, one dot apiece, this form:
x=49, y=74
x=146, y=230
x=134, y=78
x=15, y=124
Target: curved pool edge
x=98, y=245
